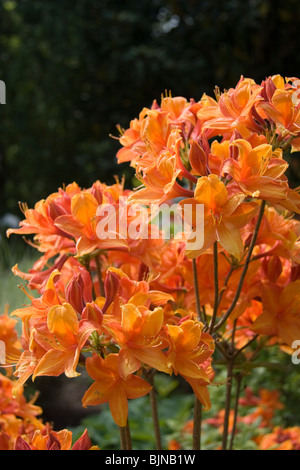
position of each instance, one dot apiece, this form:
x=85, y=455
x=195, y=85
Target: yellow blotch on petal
x=62, y=319
x=211, y=192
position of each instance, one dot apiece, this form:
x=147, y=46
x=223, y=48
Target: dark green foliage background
x=75, y=69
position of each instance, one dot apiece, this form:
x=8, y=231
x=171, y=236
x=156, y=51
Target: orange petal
x=153, y=322
x=136, y=387
x=153, y=358
x=211, y=192
x=131, y=318
x=265, y=324
x=190, y=369
x=84, y=206
x=201, y=392
x=53, y=363
x=62, y=319
x=231, y=240
x=128, y=363
x=97, y=394
x=118, y=405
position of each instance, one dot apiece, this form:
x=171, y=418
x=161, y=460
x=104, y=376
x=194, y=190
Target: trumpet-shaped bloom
x=139, y=336
x=257, y=171
x=233, y=111
x=189, y=355
x=280, y=317
x=159, y=173
x=81, y=224
x=282, y=109
x=40, y=221
x=110, y=387
x=48, y=439
x=224, y=215
x=63, y=340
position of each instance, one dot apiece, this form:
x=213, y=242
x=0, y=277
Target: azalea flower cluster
x=230, y=150
x=126, y=307
x=107, y=307
x=21, y=427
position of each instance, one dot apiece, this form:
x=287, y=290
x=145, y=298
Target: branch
x=216, y=283
x=196, y=288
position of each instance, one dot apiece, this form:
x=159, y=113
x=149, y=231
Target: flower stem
x=122, y=438
x=196, y=288
x=197, y=424
x=128, y=437
x=216, y=283
x=154, y=410
x=238, y=379
x=197, y=404
x=125, y=438
x=99, y=274
x=230, y=365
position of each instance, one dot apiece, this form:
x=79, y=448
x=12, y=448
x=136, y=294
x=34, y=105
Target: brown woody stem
x=216, y=283
x=154, y=410
x=197, y=424
x=196, y=288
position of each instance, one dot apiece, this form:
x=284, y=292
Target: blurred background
x=74, y=70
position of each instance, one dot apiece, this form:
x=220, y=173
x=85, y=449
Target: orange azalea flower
x=219, y=153
x=280, y=317
x=39, y=307
x=63, y=340
x=52, y=334
x=160, y=181
x=82, y=225
x=149, y=133
x=47, y=439
x=132, y=141
x=224, y=215
x=178, y=110
x=157, y=131
x=138, y=335
x=40, y=221
x=17, y=414
x=280, y=107
x=233, y=111
x=110, y=387
x=257, y=171
x=37, y=279
x=66, y=221
x=159, y=174
x=123, y=290
x=189, y=355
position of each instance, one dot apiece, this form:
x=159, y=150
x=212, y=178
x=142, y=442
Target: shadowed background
x=74, y=70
